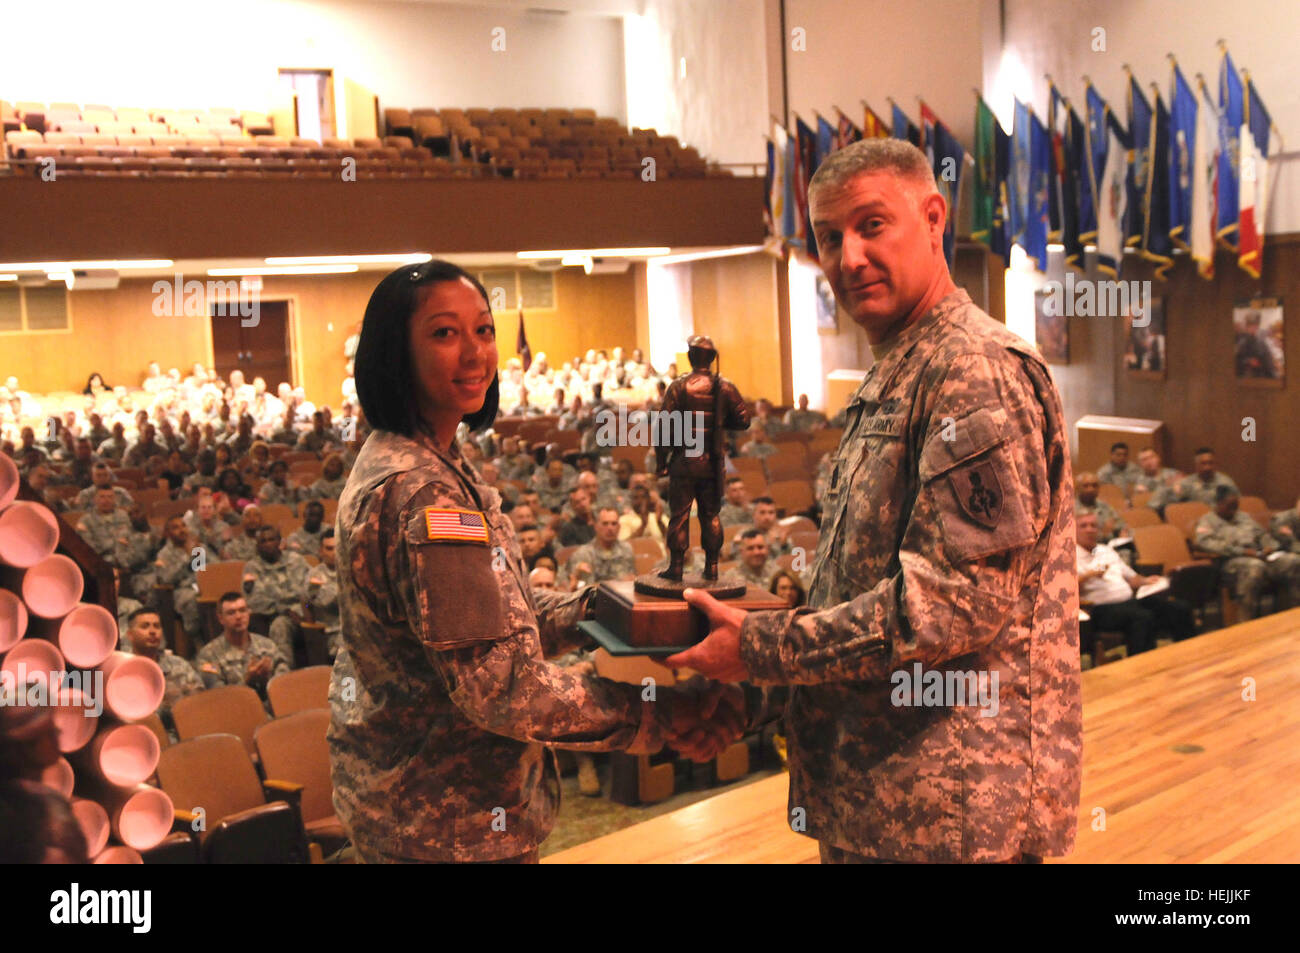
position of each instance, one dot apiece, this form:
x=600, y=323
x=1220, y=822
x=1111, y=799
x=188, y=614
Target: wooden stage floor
x=1184, y=768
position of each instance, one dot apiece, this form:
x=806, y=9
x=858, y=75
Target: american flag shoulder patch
x=447, y=524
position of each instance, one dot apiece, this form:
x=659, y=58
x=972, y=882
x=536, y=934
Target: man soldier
x=707, y=404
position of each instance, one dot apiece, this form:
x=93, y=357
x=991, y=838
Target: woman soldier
x=440, y=699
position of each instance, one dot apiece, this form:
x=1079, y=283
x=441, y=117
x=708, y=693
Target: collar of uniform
x=878, y=377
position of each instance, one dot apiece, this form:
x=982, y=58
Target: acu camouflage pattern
x=905, y=572
x=1193, y=488
x=440, y=699
x=323, y=597
x=1125, y=479
x=1285, y=528
x=617, y=562
x=229, y=665
x=102, y=530
x=1249, y=576
x=180, y=678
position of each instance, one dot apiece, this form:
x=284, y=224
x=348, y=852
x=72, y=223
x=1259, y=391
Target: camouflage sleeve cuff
x=650, y=733
x=762, y=636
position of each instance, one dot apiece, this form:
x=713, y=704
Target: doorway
x=260, y=350
x=314, y=89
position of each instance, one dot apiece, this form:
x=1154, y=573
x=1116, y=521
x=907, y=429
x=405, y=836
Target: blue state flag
x=1231, y=114
x=1139, y=165
x=1037, y=217
x=1096, y=139
x=1018, y=175
x=904, y=128
x=825, y=139
x=1182, y=153
x=949, y=159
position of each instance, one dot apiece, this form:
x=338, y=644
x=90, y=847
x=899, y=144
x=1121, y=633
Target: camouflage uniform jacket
x=323, y=596
x=272, y=492
x=230, y=665
x=760, y=579
x=804, y=420
x=617, y=562
x=1232, y=537
x=177, y=566
x=211, y=536
x=240, y=546
x=956, y=554
x=324, y=489
x=733, y=514
x=1193, y=488
x=101, y=531
x=85, y=500
x=180, y=677
x=277, y=586
x=440, y=698
x=1124, y=479
x=303, y=540
x=1285, y=528
x=1161, y=486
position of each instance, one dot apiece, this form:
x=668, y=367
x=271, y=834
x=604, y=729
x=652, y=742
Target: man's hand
x=706, y=717
x=718, y=656
x=257, y=671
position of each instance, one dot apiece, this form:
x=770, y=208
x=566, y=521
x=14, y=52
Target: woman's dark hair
x=240, y=490
x=794, y=581
x=382, y=364
x=91, y=378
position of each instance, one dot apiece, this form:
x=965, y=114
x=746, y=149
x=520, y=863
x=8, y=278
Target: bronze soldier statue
x=708, y=404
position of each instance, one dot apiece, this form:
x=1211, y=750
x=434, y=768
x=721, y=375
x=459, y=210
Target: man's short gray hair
x=874, y=155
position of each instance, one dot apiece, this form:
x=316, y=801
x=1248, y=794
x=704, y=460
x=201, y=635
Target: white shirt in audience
x=1109, y=588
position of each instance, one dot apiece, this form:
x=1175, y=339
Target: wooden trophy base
x=632, y=623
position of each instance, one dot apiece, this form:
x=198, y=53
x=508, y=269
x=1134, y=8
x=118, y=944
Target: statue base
x=629, y=622
x=653, y=584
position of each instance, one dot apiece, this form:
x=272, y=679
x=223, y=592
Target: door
x=260, y=350
x=315, y=92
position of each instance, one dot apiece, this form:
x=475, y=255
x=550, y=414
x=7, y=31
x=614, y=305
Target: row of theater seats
x=129, y=120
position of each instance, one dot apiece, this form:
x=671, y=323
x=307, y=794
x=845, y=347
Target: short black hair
x=752, y=532
x=310, y=503
x=1203, y=450
x=143, y=610
x=1223, y=492
x=735, y=479
x=228, y=597
x=764, y=499
x=529, y=528
x=1118, y=445
x=328, y=534
x=382, y=364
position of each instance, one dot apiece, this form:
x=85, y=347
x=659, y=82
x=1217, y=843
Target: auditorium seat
x=293, y=749
x=233, y=709
x=1140, y=516
x=301, y=689
x=1257, y=509
x=1184, y=516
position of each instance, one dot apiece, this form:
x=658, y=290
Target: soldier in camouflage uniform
x=102, y=526
x=320, y=438
x=1203, y=485
x=145, y=635
x=134, y=552
x=237, y=656
x=1254, y=562
x=241, y=543
x=605, y=557
x=756, y=566
x=206, y=527
x=947, y=542
x=274, y=582
x=331, y=482
x=323, y=591
x=735, y=511
x=306, y=538
x=441, y=700
x=1285, y=528
x=174, y=566
x=277, y=488
x=1109, y=523
x=802, y=419
x=551, y=485
x=513, y=463
x=1118, y=471
x=101, y=475
x=1156, y=480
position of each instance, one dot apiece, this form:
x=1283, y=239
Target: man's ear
x=935, y=210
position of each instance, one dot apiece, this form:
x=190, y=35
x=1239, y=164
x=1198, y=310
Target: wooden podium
x=633, y=623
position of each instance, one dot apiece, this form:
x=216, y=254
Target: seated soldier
x=756, y=567
x=778, y=542
x=306, y=538
x=1155, y=479
x=175, y=566
x=551, y=485
x=1109, y=523
x=320, y=438
x=206, y=526
x=1285, y=528
x=278, y=488
x=144, y=632
x=735, y=509
x=331, y=482
x=323, y=591
x=578, y=525
x=1203, y=485
x=101, y=475
x=237, y=656
x=103, y=525
x=802, y=419
x=1119, y=472
x=241, y=540
x=758, y=445
x=273, y=581
x=134, y=553
x=1107, y=588
x=1254, y=562
x=605, y=557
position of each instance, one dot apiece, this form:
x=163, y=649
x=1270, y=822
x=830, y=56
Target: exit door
x=260, y=350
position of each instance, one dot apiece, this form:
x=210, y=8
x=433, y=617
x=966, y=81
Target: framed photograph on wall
x=827, y=319
x=1144, y=343
x=1258, y=353
x=1052, y=331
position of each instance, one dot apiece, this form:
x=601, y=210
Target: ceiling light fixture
x=583, y=253
x=410, y=258
x=299, y=270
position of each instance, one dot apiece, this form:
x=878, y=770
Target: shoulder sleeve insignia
x=979, y=492
x=446, y=524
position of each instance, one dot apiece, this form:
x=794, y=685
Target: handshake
x=701, y=718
